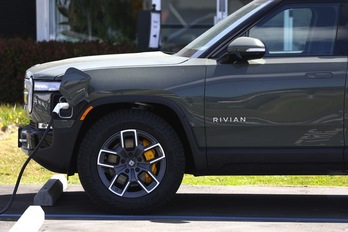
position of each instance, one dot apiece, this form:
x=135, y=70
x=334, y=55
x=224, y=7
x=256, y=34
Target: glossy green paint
x=295, y=102
x=180, y=86
x=273, y=115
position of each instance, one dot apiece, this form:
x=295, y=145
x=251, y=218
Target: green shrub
x=12, y=115
x=17, y=55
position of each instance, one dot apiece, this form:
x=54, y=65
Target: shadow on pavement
x=234, y=207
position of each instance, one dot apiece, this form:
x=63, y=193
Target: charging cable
x=57, y=108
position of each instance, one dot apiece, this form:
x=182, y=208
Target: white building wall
x=42, y=20
x=47, y=20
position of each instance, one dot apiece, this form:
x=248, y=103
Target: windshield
x=214, y=34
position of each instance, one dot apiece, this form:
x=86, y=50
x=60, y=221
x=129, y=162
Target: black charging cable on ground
x=25, y=165
x=56, y=110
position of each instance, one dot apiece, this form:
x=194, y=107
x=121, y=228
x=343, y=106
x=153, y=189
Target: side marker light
x=84, y=115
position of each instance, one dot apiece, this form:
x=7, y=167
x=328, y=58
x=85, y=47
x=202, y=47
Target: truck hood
x=55, y=69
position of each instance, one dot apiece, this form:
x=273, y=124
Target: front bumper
x=29, y=138
x=56, y=151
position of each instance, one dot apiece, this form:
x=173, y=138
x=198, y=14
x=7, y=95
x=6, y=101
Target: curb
x=34, y=216
x=51, y=191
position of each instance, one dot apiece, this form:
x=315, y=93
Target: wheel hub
x=131, y=163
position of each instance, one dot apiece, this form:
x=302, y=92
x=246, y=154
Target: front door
x=287, y=106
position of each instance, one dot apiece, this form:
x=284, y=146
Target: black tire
x=131, y=162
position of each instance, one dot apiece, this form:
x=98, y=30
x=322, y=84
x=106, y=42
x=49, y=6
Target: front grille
x=33, y=125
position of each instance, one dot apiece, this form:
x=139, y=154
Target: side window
x=299, y=30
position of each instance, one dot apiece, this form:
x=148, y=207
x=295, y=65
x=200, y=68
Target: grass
x=267, y=180
x=12, y=115
x=12, y=159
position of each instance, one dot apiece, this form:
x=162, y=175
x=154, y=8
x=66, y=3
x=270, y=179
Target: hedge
x=17, y=55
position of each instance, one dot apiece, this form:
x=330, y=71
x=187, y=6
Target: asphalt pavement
x=196, y=208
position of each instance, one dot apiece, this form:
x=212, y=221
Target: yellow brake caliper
x=149, y=155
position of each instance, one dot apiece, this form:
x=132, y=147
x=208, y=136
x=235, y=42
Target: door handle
x=319, y=75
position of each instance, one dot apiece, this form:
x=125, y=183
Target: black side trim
x=199, y=154
x=282, y=161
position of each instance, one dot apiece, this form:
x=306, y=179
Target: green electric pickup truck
x=263, y=92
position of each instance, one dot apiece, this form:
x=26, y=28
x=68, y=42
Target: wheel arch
x=169, y=111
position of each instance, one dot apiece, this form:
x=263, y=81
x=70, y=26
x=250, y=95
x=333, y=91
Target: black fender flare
x=198, y=154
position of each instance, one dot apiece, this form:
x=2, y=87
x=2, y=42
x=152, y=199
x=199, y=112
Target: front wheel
x=131, y=161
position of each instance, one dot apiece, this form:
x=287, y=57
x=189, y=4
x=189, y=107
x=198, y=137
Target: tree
x=107, y=20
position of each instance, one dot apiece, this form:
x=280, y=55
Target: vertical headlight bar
x=38, y=86
x=28, y=92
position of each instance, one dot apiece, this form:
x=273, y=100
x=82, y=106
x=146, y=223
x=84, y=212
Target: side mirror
x=246, y=48
x=75, y=86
